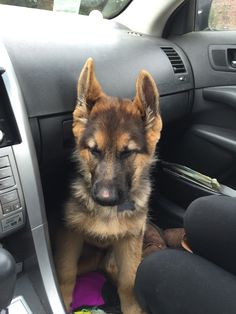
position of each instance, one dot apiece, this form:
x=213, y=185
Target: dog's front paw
x=132, y=308
x=66, y=292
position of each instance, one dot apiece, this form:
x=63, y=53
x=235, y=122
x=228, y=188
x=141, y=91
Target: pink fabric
x=88, y=290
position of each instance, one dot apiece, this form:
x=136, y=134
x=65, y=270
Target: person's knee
x=210, y=225
x=208, y=210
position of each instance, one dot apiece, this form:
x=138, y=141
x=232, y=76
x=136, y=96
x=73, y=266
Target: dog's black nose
x=105, y=194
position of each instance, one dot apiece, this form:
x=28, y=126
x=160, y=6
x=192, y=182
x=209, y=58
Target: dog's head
x=115, y=138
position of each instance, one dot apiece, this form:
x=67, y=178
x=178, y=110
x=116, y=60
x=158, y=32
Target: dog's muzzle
x=108, y=194
x=105, y=194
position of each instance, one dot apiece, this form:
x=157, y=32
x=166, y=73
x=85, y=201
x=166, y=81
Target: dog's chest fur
x=104, y=227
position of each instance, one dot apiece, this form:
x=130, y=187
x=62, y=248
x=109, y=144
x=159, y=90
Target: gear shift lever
x=7, y=278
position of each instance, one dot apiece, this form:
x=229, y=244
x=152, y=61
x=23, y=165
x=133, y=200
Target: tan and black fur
x=115, y=146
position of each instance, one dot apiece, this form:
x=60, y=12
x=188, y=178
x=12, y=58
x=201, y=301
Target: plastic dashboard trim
x=30, y=180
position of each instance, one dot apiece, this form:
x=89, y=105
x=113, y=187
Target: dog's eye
x=95, y=151
x=126, y=153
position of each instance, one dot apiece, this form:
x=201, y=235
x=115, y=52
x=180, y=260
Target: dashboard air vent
x=175, y=60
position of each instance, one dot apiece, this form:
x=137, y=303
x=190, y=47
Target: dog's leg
x=69, y=247
x=109, y=266
x=128, y=252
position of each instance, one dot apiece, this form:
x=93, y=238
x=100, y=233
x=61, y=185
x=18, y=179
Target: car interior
x=41, y=56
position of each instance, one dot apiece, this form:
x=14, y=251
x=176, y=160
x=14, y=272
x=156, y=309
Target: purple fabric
x=88, y=290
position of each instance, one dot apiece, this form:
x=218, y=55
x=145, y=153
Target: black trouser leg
x=176, y=282
x=210, y=224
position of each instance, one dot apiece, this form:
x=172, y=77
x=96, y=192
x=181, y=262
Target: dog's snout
x=105, y=193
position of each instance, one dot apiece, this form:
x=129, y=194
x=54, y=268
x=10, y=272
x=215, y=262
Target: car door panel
x=223, y=94
x=208, y=144
x=206, y=140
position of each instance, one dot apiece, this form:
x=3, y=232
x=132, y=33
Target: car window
x=216, y=15
x=223, y=15
x=108, y=8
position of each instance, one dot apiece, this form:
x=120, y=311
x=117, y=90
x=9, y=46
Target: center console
x=12, y=206
x=23, y=223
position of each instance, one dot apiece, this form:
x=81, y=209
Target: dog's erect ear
x=88, y=88
x=147, y=98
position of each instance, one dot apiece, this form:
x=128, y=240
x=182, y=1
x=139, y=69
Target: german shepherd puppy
x=115, y=147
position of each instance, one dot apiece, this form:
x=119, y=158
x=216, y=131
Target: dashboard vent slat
x=175, y=60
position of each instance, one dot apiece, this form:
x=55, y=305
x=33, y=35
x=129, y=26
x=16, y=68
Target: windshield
x=108, y=8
